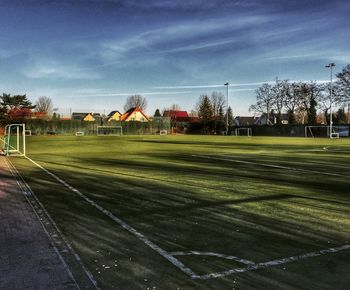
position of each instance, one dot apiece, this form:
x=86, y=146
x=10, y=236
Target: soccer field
x=199, y=212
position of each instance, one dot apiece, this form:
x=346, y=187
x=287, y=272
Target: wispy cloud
x=181, y=37
x=125, y=94
x=56, y=70
x=185, y=5
x=212, y=86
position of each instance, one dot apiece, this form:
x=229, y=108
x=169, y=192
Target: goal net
x=109, y=131
x=243, y=132
x=14, y=142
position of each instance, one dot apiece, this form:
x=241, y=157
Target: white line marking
x=211, y=254
x=274, y=263
x=123, y=224
x=269, y=165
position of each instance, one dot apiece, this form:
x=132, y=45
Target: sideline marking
x=268, y=165
x=123, y=224
x=274, y=262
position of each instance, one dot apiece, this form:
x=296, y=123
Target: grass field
x=215, y=204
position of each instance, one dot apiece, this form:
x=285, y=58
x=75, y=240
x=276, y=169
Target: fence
x=70, y=127
x=293, y=130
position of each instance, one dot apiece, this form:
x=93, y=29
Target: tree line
x=303, y=100
x=17, y=108
x=212, y=113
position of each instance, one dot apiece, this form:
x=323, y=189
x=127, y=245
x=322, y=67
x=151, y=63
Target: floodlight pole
x=226, y=84
x=330, y=66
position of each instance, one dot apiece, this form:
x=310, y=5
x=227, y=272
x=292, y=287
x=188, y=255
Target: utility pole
x=226, y=84
x=330, y=66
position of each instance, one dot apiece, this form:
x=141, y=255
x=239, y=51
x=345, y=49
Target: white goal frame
x=247, y=130
x=18, y=147
x=163, y=132
x=309, y=133
x=100, y=129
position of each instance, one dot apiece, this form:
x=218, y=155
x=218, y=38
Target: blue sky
x=89, y=55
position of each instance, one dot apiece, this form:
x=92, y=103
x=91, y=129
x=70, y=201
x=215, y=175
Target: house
x=179, y=120
x=88, y=117
x=114, y=115
x=271, y=120
x=134, y=114
x=177, y=116
x=241, y=121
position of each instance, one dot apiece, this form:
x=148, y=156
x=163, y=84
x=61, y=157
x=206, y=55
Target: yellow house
x=134, y=114
x=114, y=115
x=89, y=118
x=83, y=116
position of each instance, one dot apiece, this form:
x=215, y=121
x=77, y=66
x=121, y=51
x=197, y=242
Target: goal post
x=109, y=130
x=243, y=132
x=14, y=142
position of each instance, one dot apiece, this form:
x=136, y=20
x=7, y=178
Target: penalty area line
x=274, y=262
x=123, y=224
x=211, y=254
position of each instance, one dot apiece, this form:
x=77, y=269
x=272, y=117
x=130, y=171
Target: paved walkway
x=28, y=260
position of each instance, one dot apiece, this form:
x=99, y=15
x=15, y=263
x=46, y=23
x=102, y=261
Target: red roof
x=175, y=114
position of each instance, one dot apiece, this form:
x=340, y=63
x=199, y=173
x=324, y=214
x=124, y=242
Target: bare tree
x=264, y=101
x=292, y=101
x=217, y=100
x=280, y=91
x=44, y=105
x=324, y=101
x=135, y=101
x=343, y=83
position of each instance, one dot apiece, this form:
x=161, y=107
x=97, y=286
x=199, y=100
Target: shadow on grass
x=177, y=218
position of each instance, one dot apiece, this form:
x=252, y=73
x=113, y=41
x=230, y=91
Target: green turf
x=167, y=189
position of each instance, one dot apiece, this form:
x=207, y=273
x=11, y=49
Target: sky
x=90, y=55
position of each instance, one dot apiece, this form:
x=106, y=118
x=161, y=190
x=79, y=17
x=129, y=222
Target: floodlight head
x=226, y=84
x=332, y=64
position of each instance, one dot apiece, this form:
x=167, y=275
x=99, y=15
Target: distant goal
x=109, y=131
x=243, y=132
